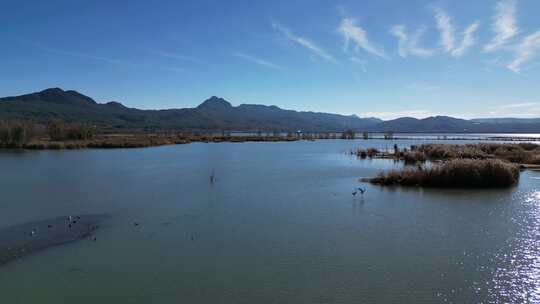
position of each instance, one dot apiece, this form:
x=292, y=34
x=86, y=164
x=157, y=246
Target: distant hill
x=445, y=124
x=430, y=124
x=213, y=114
x=508, y=120
x=218, y=114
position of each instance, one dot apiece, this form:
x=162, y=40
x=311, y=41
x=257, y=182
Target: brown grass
x=465, y=173
x=371, y=153
x=144, y=140
x=523, y=153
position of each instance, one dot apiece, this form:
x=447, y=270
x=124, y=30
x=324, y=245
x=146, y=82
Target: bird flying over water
x=361, y=190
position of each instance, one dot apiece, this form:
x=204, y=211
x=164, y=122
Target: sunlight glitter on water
x=517, y=279
x=534, y=197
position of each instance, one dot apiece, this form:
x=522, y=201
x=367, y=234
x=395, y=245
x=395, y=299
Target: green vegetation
x=15, y=134
x=466, y=173
x=59, y=131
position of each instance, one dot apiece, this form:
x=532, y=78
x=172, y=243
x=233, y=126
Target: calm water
x=278, y=226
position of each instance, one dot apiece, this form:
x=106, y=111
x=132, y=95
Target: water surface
x=279, y=225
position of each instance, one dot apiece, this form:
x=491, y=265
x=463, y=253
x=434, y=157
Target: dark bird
x=95, y=239
x=361, y=190
x=135, y=224
x=49, y=226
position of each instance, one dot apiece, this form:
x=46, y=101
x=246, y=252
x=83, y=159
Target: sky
x=387, y=59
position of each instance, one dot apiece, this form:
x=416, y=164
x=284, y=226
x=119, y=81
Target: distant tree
x=79, y=132
x=56, y=129
x=348, y=134
x=365, y=135
x=389, y=135
x=15, y=133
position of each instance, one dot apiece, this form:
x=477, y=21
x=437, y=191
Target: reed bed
x=457, y=173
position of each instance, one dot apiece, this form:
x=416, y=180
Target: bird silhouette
x=361, y=190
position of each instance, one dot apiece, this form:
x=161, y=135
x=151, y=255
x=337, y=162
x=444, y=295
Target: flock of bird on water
x=73, y=220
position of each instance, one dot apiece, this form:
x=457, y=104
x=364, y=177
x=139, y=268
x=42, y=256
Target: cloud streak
x=175, y=56
x=448, y=38
x=445, y=27
x=304, y=42
x=409, y=45
x=258, y=61
x=504, y=25
x=103, y=59
x=520, y=105
x=468, y=40
x=355, y=34
x=525, y=51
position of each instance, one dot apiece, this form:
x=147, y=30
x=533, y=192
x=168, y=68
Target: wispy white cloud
x=304, y=42
x=504, y=25
x=525, y=51
x=177, y=56
x=103, y=59
x=448, y=38
x=468, y=40
x=518, y=109
x=409, y=45
x=446, y=29
x=258, y=61
x=386, y=115
x=354, y=33
x=520, y=105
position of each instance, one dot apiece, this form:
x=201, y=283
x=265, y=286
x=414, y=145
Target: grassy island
x=480, y=165
x=462, y=173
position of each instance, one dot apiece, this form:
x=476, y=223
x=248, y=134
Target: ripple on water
x=517, y=278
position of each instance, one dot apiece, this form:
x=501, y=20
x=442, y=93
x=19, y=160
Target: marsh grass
x=522, y=153
x=458, y=173
x=367, y=153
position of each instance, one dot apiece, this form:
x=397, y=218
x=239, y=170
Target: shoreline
x=119, y=141
x=138, y=140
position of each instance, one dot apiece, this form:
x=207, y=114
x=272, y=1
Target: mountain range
x=218, y=114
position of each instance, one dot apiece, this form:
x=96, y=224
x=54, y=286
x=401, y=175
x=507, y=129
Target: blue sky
x=371, y=58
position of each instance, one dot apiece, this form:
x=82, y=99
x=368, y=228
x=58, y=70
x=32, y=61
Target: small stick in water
x=212, y=178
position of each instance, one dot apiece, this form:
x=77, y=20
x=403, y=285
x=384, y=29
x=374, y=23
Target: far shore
x=115, y=141
x=141, y=140
x=23, y=136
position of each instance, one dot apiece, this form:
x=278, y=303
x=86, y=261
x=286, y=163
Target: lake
x=278, y=225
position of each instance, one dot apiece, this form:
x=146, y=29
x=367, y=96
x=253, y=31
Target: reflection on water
x=517, y=277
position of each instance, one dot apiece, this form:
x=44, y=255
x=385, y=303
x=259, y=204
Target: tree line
x=17, y=133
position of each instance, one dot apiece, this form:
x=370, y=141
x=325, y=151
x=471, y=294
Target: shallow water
x=279, y=225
